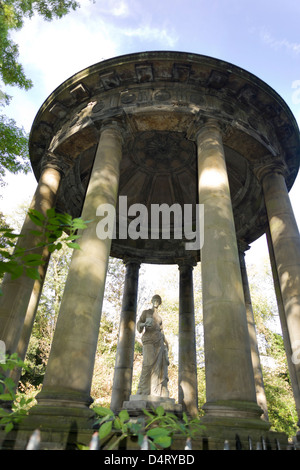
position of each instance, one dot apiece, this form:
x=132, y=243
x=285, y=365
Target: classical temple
x=190, y=132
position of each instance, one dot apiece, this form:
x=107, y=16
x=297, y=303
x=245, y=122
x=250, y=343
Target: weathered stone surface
x=149, y=402
x=161, y=97
x=159, y=107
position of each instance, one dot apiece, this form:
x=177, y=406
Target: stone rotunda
x=177, y=129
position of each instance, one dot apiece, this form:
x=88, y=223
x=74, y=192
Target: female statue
x=154, y=376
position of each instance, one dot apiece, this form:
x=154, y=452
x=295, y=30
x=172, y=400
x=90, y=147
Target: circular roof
x=160, y=98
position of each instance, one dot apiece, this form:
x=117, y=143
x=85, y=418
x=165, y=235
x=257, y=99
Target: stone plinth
x=138, y=403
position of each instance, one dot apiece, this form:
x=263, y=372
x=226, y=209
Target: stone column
x=257, y=370
x=284, y=242
x=20, y=296
x=187, y=367
x=125, y=350
x=284, y=329
x=30, y=317
x=230, y=388
x=69, y=371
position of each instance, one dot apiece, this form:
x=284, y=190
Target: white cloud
x=117, y=8
x=148, y=33
x=53, y=51
x=279, y=44
x=120, y=9
x=20, y=188
x=56, y=50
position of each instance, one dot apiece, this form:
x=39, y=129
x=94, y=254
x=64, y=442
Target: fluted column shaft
x=257, y=370
x=71, y=362
x=229, y=372
x=20, y=296
x=285, y=242
x=125, y=349
x=187, y=367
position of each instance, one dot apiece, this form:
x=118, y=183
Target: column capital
x=116, y=124
x=242, y=246
x=128, y=261
x=61, y=163
x=186, y=263
x=202, y=124
x=270, y=164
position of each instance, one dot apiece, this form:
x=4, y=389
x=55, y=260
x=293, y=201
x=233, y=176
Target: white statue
x=154, y=376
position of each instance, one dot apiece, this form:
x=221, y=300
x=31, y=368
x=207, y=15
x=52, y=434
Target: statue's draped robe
x=154, y=376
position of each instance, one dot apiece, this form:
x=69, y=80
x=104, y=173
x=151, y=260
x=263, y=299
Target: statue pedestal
x=138, y=403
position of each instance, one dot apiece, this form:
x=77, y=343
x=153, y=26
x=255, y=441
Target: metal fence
x=34, y=443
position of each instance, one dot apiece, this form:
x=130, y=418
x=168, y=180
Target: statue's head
x=156, y=300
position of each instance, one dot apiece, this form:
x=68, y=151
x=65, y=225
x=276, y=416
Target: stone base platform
x=137, y=403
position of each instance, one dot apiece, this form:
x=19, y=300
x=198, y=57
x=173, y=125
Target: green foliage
x=13, y=140
x=157, y=428
x=50, y=228
x=172, y=425
x=7, y=393
x=12, y=15
x=281, y=405
x=14, y=155
x=119, y=425
x=45, y=320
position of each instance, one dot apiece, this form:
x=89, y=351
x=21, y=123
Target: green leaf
x=147, y=413
x=37, y=217
x=51, y=248
x=136, y=428
x=5, y=396
x=65, y=219
x=75, y=246
x=9, y=383
x=4, y=414
x=51, y=212
x=105, y=429
x=33, y=273
x=32, y=260
x=160, y=411
x=163, y=441
x=160, y=436
x=71, y=238
x=9, y=234
x=79, y=224
x=36, y=233
x=156, y=432
x=124, y=416
x=102, y=411
x=8, y=427
x=15, y=271
x=117, y=423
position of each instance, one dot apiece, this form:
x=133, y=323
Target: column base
x=234, y=413
x=64, y=420
x=138, y=403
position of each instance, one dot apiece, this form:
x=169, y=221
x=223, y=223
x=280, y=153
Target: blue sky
x=262, y=37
